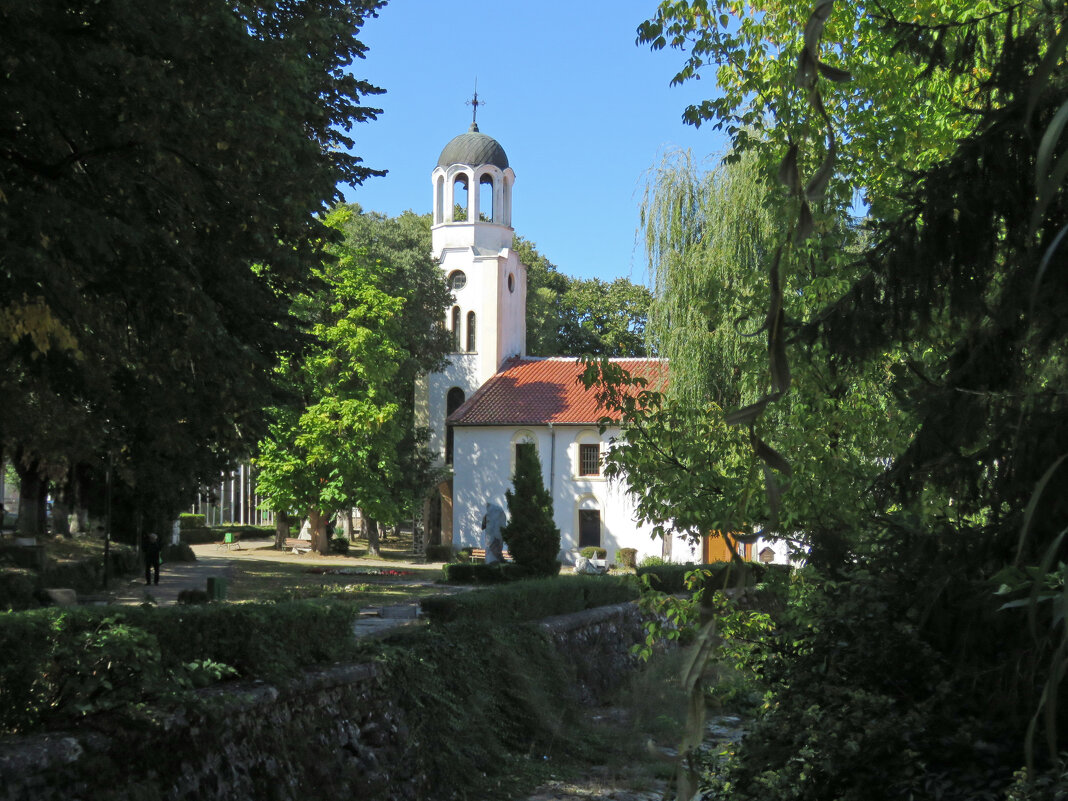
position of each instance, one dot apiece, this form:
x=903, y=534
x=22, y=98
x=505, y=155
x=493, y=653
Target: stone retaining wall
x=330, y=733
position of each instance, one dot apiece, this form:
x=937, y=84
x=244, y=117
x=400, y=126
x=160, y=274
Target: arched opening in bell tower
x=439, y=199
x=486, y=210
x=459, y=198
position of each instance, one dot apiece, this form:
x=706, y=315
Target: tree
x=532, y=536
x=348, y=438
x=708, y=234
x=571, y=316
x=162, y=167
x=961, y=284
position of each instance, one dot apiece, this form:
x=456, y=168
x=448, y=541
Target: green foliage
x=188, y=520
x=157, y=217
x=593, y=552
x=672, y=578
x=571, y=316
x=531, y=599
x=467, y=572
x=474, y=710
x=439, y=553
x=532, y=536
x=348, y=438
x=69, y=663
x=628, y=557
x=339, y=545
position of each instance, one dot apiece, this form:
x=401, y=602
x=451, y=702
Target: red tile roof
x=533, y=391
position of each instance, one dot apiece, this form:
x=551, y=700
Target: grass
x=269, y=580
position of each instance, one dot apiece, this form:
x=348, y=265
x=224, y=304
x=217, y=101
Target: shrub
x=652, y=561
x=481, y=573
x=671, y=578
x=593, y=552
x=339, y=545
x=178, y=553
x=532, y=599
x=439, y=553
x=532, y=536
x=187, y=520
x=627, y=557
x=56, y=660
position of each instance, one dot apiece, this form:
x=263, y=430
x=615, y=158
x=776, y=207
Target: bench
x=231, y=539
x=479, y=555
x=297, y=545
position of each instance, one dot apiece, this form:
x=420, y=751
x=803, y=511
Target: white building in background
x=492, y=399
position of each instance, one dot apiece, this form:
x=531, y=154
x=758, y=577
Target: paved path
x=173, y=578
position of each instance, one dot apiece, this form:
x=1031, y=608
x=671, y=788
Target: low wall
x=332, y=733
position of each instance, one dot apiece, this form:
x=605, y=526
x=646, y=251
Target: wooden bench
x=231, y=539
x=298, y=545
x=479, y=555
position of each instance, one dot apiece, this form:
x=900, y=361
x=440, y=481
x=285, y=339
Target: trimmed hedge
x=204, y=535
x=532, y=599
x=61, y=664
x=671, y=578
x=188, y=520
x=593, y=552
x=439, y=553
x=627, y=557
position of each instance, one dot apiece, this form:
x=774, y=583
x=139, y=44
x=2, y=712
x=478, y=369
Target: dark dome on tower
x=474, y=148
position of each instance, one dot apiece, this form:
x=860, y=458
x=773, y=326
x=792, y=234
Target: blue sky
x=581, y=110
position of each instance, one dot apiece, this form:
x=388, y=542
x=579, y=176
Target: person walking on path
x=152, y=557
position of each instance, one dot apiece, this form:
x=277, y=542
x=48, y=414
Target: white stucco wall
x=483, y=464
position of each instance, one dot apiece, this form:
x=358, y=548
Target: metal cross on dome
x=474, y=103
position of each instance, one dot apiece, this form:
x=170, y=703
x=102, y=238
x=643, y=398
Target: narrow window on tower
x=456, y=329
x=470, y=331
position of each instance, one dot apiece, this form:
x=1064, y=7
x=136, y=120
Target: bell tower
x=472, y=242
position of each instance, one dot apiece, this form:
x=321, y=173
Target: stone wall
x=329, y=733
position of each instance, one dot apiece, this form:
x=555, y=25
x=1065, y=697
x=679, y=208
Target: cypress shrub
x=532, y=536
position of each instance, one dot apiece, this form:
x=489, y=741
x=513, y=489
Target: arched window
x=456, y=329
x=522, y=440
x=439, y=199
x=459, y=198
x=470, y=331
x=454, y=399
x=485, y=198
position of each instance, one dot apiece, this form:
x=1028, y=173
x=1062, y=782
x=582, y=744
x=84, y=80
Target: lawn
x=256, y=580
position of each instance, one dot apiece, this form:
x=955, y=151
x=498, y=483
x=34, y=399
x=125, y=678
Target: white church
x=492, y=399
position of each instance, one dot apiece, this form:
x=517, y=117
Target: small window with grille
x=590, y=460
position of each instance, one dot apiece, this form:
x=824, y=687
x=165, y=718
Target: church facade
x=492, y=398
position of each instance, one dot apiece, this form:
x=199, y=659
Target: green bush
x=532, y=599
x=18, y=588
x=178, y=553
x=671, y=578
x=339, y=545
x=187, y=520
x=627, y=557
x=439, y=553
x=66, y=663
x=481, y=573
x=652, y=561
x=532, y=536
x=593, y=552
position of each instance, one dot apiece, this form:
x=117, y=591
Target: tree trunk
x=281, y=529
x=31, y=500
x=372, y=537
x=319, y=539
x=346, y=525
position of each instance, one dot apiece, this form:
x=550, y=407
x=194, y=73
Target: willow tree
x=709, y=233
